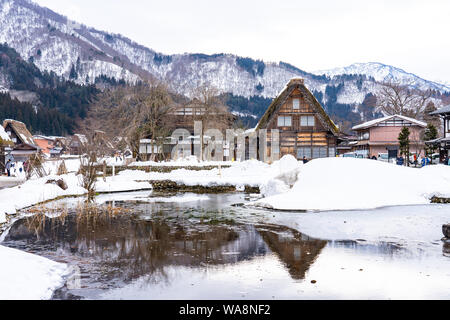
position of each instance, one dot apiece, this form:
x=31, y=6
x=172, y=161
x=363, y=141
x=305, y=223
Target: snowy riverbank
x=26, y=276
x=350, y=184
x=287, y=184
x=37, y=191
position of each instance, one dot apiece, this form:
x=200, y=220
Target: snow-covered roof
x=372, y=123
x=297, y=83
x=81, y=137
x=3, y=135
x=41, y=137
x=21, y=131
x=442, y=110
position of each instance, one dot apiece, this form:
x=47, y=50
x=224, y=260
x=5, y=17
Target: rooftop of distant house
x=374, y=122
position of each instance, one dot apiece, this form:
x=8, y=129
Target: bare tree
x=210, y=109
x=88, y=168
x=394, y=98
x=135, y=113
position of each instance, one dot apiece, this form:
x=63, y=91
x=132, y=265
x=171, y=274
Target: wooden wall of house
x=296, y=135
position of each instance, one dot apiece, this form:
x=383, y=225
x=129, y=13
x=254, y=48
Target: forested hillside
x=59, y=103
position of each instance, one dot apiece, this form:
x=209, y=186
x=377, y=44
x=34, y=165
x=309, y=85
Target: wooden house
x=77, y=144
x=305, y=129
x=381, y=136
x=45, y=143
x=183, y=117
x=24, y=145
x=443, y=144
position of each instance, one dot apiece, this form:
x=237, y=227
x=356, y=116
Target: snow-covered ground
x=26, y=276
x=271, y=178
x=322, y=184
x=51, y=166
x=287, y=184
x=37, y=191
x=348, y=183
x=406, y=225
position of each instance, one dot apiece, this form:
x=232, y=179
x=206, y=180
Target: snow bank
x=252, y=173
x=26, y=276
x=36, y=191
x=121, y=182
x=286, y=172
x=348, y=183
x=51, y=166
x=406, y=225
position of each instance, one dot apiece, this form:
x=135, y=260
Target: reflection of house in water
x=297, y=251
x=132, y=247
x=129, y=248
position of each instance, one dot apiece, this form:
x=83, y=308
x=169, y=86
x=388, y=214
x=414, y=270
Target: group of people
x=13, y=167
x=447, y=160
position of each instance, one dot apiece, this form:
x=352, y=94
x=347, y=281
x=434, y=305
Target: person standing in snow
x=8, y=167
x=305, y=160
x=400, y=160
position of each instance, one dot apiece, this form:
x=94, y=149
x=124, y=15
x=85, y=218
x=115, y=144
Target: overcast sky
x=312, y=35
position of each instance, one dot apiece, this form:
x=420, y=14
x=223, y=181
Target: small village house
x=24, y=146
x=5, y=143
x=102, y=143
x=59, y=147
x=443, y=143
x=346, y=143
x=52, y=147
x=45, y=143
x=184, y=117
x=305, y=129
x=381, y=136
x=77, y=143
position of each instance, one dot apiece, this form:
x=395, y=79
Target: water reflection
x=297, y=251
x=115, y=250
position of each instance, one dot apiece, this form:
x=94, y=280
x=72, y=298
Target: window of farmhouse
x=285, y=121
x=304, y=152
x=331, y=152
x=296, y=104
x=319, y=152
x=307, y=121
x=448, y=125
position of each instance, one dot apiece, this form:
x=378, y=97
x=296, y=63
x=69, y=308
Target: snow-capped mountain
x=385, y=73
x=55, y=43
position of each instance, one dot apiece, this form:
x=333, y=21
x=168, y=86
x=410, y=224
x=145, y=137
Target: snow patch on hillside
x=385, y=73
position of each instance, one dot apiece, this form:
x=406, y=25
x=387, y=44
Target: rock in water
x=446, y=230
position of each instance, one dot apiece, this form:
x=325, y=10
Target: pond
x=187, y=246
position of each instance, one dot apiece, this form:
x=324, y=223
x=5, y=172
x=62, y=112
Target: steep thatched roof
x=293, y=84
x=21, y=131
